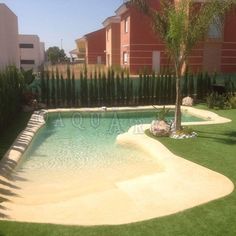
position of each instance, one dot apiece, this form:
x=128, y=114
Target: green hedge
x=119, y=89
x=11, y=88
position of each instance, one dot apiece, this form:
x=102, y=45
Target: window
x=99, y=60
x=108, y=33
x=126, y=25
x=27, y=62
x=26, y=45
x=125, y=58
x=215, y=30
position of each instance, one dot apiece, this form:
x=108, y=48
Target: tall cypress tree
x=113, y=87
x=58, y=91
x=128, y=95
x=190, y=85
x=152, y=88
x=63, y=91
x=68, y=87
x=47, y=89
x=140, y=89
x=53, y=90
x=96, y=92
x=108, y=87
x=91, y=93
x=169, y=91
x=122, y=88
x=131, y=91
x=157, y=90
x=173, y=90
x=199, y=86
x=73, y=90
x=162, y=89
x=185, y=84
x=43, y=88
x=117, y=89
x=104, y=89
x=81, y=91
x=85, y=87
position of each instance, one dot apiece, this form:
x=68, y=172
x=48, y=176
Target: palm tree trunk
x=178, y=99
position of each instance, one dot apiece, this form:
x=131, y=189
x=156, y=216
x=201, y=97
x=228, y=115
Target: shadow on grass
x=228, y=137
x=8, y=187
x=8, y=175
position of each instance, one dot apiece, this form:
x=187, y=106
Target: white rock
x=160, y=128
x=187, y=101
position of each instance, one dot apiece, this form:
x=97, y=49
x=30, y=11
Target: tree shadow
x=227, y=137
x=8, y=174
x=8, y=187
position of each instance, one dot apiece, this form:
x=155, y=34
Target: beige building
x=9, y=50
x=42, y=52
x=31, y=52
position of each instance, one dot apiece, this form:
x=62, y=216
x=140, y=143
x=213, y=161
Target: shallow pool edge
x=12, y=157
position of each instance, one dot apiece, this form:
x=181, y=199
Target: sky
x=56, y=21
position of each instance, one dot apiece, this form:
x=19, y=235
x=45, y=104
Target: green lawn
x=215, y=148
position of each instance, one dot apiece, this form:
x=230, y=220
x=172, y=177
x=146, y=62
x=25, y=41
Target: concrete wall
x=9, y=51
x=30, y=54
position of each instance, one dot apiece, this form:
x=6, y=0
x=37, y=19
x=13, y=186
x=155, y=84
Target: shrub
x=217, y=101
x=163, y=113
x=232, y=102
x=11, y=89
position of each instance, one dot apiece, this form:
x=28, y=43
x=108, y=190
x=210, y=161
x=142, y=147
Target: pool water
x=79, y=140
x=75, y=154
x=74, y=173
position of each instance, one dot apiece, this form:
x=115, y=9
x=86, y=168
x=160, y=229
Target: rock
x=187, y=101
x=160, y=128
x=175, y=135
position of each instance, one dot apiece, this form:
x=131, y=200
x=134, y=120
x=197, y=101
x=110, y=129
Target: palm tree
x=181, y=26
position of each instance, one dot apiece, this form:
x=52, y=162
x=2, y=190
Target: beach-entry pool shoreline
x=92, y=167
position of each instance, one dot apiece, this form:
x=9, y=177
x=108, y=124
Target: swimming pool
x=79, y=140
x=74, y=172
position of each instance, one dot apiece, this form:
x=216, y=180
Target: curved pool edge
x=179, y=167
x=12, y=157
x=136, y=188
x=194, y=183
x=24, y=139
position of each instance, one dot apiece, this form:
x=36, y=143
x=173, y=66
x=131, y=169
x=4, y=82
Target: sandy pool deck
x=165, y=186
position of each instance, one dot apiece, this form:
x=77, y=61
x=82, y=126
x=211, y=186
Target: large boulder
x=187, y=101
x=160, y=128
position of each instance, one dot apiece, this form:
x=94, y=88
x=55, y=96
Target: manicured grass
x=215, y=148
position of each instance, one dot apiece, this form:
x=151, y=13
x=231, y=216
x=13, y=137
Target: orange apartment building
x=128, y=40
x=91, y=48
x=141, y=48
